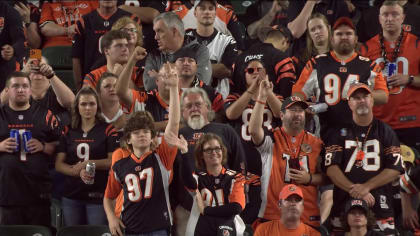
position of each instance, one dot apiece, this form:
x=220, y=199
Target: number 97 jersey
x=328, y=79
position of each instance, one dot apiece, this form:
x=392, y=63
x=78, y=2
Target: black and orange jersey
x=148, y=101
x=241, y=124
x=279, y=151
x=401, y=111
x=91, y=27
x=381, y=151
x=280, y=68
x=81, y=146
x=221, y=195
x=226, y=21
x=92, y=78
x=410, y=181
x=328, y=79
x=24, y=177
x=275, y=227
x=144, y=181
x=64, y=14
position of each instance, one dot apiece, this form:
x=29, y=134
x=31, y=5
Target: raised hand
x=170, y=75
x=139, y=53
x=45, y=69
x=265, y=88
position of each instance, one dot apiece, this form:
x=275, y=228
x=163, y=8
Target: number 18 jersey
x=327, y=78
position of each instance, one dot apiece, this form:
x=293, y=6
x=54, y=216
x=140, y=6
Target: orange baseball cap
x=356, y=86
x=289, y=190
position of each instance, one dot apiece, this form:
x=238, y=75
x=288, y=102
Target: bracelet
x=260, y=102
x=410, y=80
x=249, y=92
x=51, y=75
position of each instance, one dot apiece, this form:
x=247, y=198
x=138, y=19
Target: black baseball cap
x=214, y=2
x=288, y=102
x=185, y=52
x=353, y=203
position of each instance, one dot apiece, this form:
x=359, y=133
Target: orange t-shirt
x=276, y=228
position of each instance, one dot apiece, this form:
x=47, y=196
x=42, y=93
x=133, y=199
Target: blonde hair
x=311, y=50
x=123, y=21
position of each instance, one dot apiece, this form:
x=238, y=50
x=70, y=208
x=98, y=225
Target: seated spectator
x=226, y=20
x=358, y=219
x=91, y=27
x=114, y=45
x=146, y=208
x=11, y=42
x=291, y=208
x=112, y=110
x=59, y=18
x=89, y=140
x=218, y=192
x=30, y=15
x=170, y=35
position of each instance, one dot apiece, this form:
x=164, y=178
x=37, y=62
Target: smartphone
x=294, y=163
x=36, y=55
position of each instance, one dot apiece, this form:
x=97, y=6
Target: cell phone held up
x=35, y=56
x=294, y=163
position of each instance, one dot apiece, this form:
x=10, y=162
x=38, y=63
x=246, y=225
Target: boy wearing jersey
x=400, y=48
x=362, y=159
x=144, y=176
x=25, y=184
x=327, y=77
x=289, y=154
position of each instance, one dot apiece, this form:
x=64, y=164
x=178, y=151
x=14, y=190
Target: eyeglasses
x=193, y=104
x=211, y=150
x=131, y=30
x=251, y=70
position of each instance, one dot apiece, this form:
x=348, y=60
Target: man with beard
x=327, y=77
x=198, y=115
x=114, y=45
x=25, y=184
x=362, y=159
x=291, y=205
x=289, y=154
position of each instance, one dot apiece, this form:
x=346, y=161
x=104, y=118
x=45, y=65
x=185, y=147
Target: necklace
x=396, y=49
x=360, y=150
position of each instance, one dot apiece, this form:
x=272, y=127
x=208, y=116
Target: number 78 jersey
x=327, y=78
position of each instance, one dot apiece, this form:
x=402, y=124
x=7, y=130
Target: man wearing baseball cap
x=358, y=219
x=289, y=154
x=291, y=207
x=362, y=159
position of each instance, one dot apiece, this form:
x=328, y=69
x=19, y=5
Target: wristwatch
x=410, y=80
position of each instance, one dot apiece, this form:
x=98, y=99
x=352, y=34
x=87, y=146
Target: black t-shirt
x=49, y=101
x=80, y=146
x=92, y=27
x=24, y=177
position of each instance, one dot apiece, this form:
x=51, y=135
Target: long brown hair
x=138, y=120
x=199, y=149
x=311, y=50
x=75, y=113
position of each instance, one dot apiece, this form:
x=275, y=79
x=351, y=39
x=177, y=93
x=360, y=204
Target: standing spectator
x=226, y=21
x=170, y=36
x=218, y=192
x=144, y=176
x=11, y=41
x=291, y=204
x=358, y=219
x=91, y=27
x=222, y=47
x=114, y=45
x=59, y=18
x=30, y=17
x=25, y=185
x=362, y=159
x=239, y=107
x=289, y=154
x=398, y=48
x=327, y=77
x=88, y=140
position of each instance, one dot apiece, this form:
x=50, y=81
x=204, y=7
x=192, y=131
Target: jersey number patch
x=133, y=185
x=246, y=115
x=209, y=199
x=332, y=87
x=372, y=160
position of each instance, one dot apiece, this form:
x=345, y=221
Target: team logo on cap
x=356, y=202
x=292, y=188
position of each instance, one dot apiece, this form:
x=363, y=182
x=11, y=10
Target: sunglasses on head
x=251, y=70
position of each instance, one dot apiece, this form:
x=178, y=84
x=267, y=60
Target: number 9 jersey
x=381, y=150
x=327, y=79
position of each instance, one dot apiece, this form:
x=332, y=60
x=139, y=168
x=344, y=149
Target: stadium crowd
x=212, y=117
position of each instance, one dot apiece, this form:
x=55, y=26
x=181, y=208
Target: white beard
x=362, y=110
x=196, y=122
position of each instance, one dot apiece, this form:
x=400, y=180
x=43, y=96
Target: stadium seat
x=24, y=230
x=56, y=214
x=84, y=230
x=59, y=57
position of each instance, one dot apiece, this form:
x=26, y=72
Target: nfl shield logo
x=343, y=69
x=226, y=232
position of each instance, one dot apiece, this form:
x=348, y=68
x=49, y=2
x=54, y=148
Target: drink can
x=319, y=108
x=26, y=136
x=14, y=133
x=392, y=68
x=90, y=169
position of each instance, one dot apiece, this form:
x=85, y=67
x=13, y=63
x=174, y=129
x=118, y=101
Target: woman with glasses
x=218, y=192
x=129, y=26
